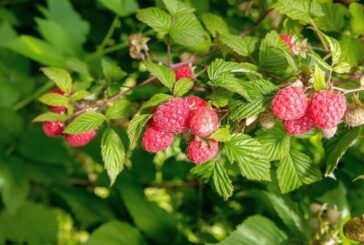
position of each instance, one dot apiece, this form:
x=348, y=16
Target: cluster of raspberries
x=55, y=128
x=325, y=110
x=178, y=116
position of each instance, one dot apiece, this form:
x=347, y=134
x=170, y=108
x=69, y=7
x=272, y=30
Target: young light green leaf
x=121, y=7
x=319, y=82
x=250, y=156
x=156, y=18
x=112, y=72
x=60, y=77
x=164, y=74
x=256, y=230
x=175, y=7
x=118, y=109
x=50, y=117
x=79, y=95
x=156, y=100
x=182, y=86
x=221, y=135
x=54, y=99
x=87, y=121
x=342, y=67
x=186, y=30
x=241, y=109
x=319, y=61
x=136, y=127
x=352, y=50
x=215, y=173
x=336, y=147
x=302, y=10
x=214, y=24
x=243, y=46
x=335, y=48
x=276, y=142
x=296, y=169
x=113, y=154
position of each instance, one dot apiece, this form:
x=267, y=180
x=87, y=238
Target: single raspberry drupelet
x=327, y=109
x=290, y=103
x=53, y=129
x=57, y=109
x=78, y=140
x=199, y=151
x=204, y=121
x=182, y=72
x=155, y=140
x=172, y=116
x=194, y=102
x=299, y=126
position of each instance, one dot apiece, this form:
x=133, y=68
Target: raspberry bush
x=181, y=122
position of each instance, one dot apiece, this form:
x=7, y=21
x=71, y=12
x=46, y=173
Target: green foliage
x=85, y=122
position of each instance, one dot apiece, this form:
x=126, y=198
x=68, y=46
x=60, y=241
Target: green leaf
x=335, y=49
x=79, y=95
x=296, y=169
x=257, y=89
x=243, y=46
x=276, y=142
x=352, y=50
x=334, y=17
x=14, y=185
x=176, y=7
x=214, y=24
x=272, y=53
x=112, y=72
x=87, y=121
x=121, y=7
x=256, y=230
x=186, y=30
x=319, y=61
x=116, y=232
x=156, y=100
x=119, y=109
x=229, y=82
x=135, y=128
x=50, y=117
x=241, y=109
x=54, y=99
x=221, y=135
x=60, y=77
x=219, y=67
x=113, y=154
x=155, y=222
x=302, y=10
x=182, y=86
x=215, y=173
x=31, y=224
x=342, y=67
x=156, y=18
x=250, y=156
x=357, y=18
x=336, y=147
x=319, y=82
x=165, y=75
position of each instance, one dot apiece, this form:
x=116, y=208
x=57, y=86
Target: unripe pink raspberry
x=199, y=151
x=290, y=103
x=327, y=109
x=204, y=121
x=53, y=129
x=287, y=39
x=184, y=71
x=57, y=109
x=195, y=102
x=172, y=116
x=155, y=140
x=78, y=140
x=300, y=125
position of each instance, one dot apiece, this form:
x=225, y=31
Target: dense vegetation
x=113, y=65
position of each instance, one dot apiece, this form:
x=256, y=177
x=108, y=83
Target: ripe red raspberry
x=172, y=116
x=78, y=140
x=204, y=121
x=300, y=125
x=287, y=39
x=53, y=129
x=327, y=109
x=184, y=71
x=290, y=103
x=195, y=102
x=57, y=109
x=199, y=151
x=155, y=140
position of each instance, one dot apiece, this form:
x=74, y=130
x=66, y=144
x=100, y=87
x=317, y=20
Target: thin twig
x=347, y=91
x=114, y=24
x=169, y=60
x=319, y=35
x=253, y=26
